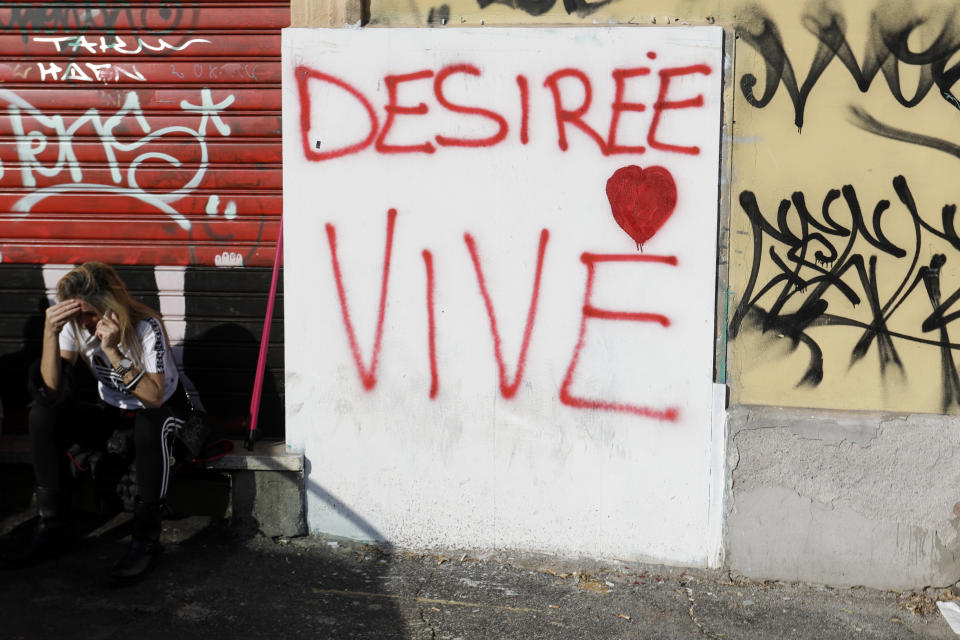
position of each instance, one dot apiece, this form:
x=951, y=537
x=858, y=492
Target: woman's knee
x=152, y=425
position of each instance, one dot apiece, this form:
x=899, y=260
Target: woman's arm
x=55, y=319
x=145, y=387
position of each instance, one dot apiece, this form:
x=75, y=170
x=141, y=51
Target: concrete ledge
x=260, y=490
x=266, y=456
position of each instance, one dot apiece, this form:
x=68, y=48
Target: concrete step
x=260, y=489
x=269, y=455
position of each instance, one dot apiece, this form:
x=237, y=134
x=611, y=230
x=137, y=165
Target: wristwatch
x=125, y=365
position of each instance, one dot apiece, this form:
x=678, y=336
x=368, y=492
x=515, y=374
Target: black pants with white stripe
x=54, y=429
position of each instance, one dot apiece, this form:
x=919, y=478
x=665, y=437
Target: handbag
x=196, y=430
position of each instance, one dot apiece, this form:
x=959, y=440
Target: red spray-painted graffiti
x=524, y=88
x=641, y=200
x=368, y=374
x=460, y=142
x=551, y=108
x=670, y=414
x=431, y=324
x=509, y=389
x=564, y=114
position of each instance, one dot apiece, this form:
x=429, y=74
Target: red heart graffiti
x=641, y=200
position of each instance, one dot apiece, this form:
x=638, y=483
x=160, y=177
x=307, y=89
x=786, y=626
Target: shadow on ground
x=213, y=581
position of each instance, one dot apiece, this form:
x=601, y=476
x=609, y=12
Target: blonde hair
x=99, y=286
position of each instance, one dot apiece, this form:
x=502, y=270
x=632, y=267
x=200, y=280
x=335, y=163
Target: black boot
x=53, y=534
x=144, y=549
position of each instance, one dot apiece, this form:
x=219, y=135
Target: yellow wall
x=470, y=13
x=325, y=13
x=854, y=142
x=838, y=147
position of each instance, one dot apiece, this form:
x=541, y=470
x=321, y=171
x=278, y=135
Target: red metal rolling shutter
x=148, y=134
x=141, y=133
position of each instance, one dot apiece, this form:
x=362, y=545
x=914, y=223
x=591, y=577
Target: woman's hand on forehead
x=59, y=314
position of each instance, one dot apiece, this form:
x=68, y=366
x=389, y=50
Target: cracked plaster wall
x=843, y=498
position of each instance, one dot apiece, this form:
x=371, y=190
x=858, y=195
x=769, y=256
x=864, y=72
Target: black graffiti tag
x=582, y=8
x=887, y=48
x=812, y=256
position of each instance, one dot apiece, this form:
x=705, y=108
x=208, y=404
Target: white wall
x=619, y=465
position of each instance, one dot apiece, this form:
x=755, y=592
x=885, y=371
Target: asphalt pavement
x=217, y=582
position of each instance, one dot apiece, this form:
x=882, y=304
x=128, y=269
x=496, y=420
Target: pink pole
x=264, y=343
